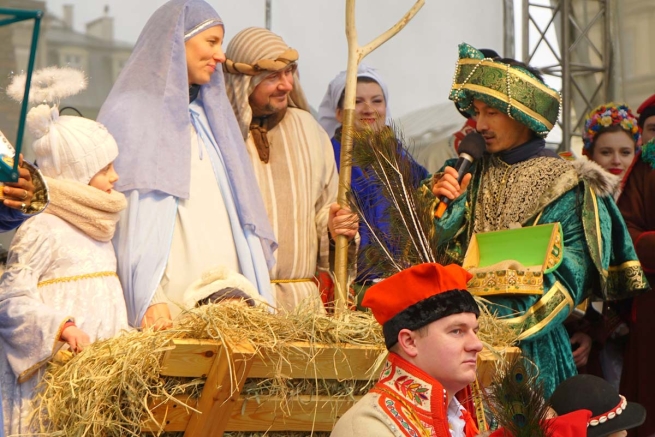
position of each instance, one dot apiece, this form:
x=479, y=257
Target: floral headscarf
x=604, y=116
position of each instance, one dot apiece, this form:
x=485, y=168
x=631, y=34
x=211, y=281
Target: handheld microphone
x=471, y=148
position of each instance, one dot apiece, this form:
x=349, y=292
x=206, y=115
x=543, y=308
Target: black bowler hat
x=610, y=411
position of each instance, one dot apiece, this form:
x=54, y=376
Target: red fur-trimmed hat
x=417, y=296
x=647, y=109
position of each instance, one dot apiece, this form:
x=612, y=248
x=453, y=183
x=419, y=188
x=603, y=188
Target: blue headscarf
x=147, y=112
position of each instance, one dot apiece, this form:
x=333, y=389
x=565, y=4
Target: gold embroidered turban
x=508, y=88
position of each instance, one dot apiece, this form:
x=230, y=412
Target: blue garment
x=373, y=204
x=11, y=218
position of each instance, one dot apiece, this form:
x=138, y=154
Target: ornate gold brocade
x=552, y=303
x=556, y=252
x=627, y=276
x=510, y=194
x=508, y=281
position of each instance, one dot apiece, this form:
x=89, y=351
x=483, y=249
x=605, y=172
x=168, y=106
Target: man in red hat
x=430, y=324
x=638, y=209
x=430, y=327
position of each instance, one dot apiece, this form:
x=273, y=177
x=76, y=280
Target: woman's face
x=204, y=53
x=614, y=151
x=370, y=107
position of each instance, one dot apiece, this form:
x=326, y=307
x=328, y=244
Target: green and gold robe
x=598, y=255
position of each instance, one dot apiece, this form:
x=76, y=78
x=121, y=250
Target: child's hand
x=76, y=338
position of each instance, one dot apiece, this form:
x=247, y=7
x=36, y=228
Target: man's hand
x=581, y=352
x=19, y=194
x=342, y=221
x=76, y=338
x=448, y=186
x=157, y=316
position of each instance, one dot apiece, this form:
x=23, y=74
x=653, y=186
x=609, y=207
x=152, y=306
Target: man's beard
x=268, y=109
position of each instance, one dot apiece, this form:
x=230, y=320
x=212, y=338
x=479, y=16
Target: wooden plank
x=221, y=392
x=487, y=364
x=173, y=415
x=190, y=358
x=194, y=358
x=302, y=413
x=301, y=360
x=249, y=414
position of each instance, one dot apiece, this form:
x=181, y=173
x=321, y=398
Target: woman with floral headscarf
x=192, y=206
x=611, y=138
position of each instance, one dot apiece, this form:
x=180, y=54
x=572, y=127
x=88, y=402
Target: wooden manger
x=292, y=373
x=222, y=407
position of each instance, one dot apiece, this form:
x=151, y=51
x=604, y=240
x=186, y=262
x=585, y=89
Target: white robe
x=298, y=184
x=54, y=273
x=202, y=235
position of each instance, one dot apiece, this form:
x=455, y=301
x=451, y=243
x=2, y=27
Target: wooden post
x=221, y=392
x=355, y=55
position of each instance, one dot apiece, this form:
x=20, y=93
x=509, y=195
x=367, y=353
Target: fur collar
x=603, y=182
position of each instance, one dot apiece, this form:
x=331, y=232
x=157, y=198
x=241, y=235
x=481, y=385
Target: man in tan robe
x=293, y=160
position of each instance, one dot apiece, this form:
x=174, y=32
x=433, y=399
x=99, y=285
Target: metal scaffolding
x=575, y=35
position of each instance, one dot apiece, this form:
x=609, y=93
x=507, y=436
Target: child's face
x=619, y=434
x=105, y=178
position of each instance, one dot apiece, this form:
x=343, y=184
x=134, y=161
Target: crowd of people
x=206, y=178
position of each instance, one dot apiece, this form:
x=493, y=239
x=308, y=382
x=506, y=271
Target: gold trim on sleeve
x=557, y=290
x=76, y=278
x=291, y=281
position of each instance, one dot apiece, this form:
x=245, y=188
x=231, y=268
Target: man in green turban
x=520, y=183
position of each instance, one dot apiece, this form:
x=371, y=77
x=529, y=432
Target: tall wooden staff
x=355, y=55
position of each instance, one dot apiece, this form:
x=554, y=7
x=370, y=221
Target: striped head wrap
x=508, y=88
x=251, y=55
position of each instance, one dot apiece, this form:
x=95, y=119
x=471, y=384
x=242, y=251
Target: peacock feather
x=516, y=399
x=407, y=236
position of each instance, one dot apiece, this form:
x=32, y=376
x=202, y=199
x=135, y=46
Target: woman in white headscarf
x=371, y=111
x=193, y=202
